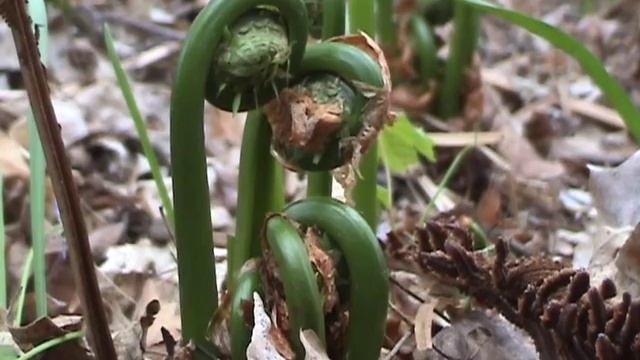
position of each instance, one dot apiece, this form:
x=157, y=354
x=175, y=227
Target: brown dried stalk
x=566, y=316
x=34, y=73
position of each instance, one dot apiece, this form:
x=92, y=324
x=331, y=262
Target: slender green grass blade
x=38, y=12
x=3, y=255
x=448, y=175
x=24, y=279
x=138, y=121
x=591, y=65
x=38, y=350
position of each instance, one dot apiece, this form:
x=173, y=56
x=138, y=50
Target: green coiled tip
x=254, y=54
x=313, y=122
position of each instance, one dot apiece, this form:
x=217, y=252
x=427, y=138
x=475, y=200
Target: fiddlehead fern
x=194, y=80
x=304, y=303
x=368, y=274
x=317, y=121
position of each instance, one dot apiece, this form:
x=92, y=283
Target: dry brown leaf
x=44, y=329
x=483, y=336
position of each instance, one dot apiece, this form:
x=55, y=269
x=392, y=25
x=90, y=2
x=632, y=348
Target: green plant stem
x=41, y=348
x=22, y=292
x=425, y=47
x=368, y=273
x=452, y=170
x=386, y=27
x=302, y=295
x=3, y=248
x=320, y=183
x=38, y=12
x=333, y=20
x=466, y=24
x=362, y=18
x=260, y=191
x=138, y=121
x=383, y=150
x=247, y=284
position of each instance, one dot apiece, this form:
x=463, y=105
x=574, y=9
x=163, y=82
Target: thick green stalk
x=246, y=285
x=368, y=274
x=466, y=23
x=333, y=18
x=362, y=18
x=304, y=302
x=386, y=27
x=333, y=23
x=38, y=12
x=22, y=291
x=319, y=183
x=260, y=191
x=425, y=47
x=3, y=248
x=132, y=105
x=198, y=293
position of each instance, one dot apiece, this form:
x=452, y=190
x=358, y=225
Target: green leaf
x=382, y=193
x=591, y=65
x=402, y=142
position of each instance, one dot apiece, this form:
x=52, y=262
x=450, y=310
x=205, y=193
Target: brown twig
x=35, y=80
